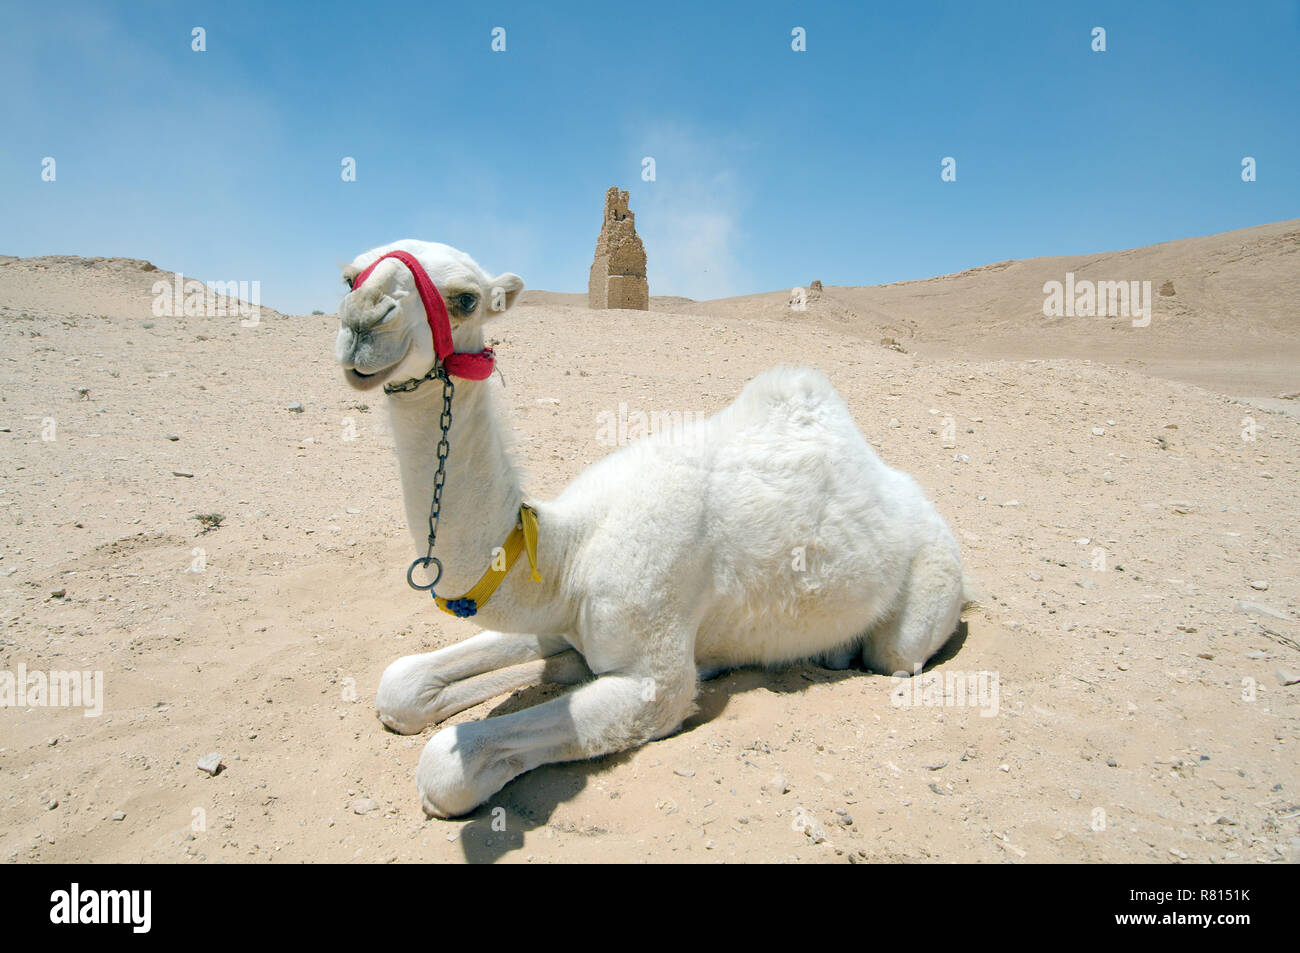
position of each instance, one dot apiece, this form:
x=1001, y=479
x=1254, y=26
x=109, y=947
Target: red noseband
x=475, y=366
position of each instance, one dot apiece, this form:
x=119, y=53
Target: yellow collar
x=522, y=538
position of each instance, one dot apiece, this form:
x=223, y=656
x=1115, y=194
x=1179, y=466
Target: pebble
x=777, y=784
x=1108, y=477
x=211, y=763
x=684, y=773
x=173, y=437
x=938, y=790
x=1098, y=431
x=1036, y=576
x=364, y=805
x=1287, y=677
x=296, y=408
x=118, y=816
x=182, y=473
x=352, y=510
x=893, y=422
x=1259, y=584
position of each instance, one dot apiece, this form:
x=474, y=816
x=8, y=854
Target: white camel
x=767, y=533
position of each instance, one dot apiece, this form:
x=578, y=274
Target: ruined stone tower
x=618, y=271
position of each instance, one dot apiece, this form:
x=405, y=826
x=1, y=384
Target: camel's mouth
x=359, y=379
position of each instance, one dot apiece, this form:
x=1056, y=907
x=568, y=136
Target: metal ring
x=424, y=561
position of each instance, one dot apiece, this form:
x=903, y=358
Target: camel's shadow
x=527, y=803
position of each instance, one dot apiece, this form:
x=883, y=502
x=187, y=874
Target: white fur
x=767, y=533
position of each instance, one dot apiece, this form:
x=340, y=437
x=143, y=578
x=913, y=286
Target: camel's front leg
x=463, y=766
x=420, y=690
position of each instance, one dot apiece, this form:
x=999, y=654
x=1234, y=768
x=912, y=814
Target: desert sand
x=1126, y=501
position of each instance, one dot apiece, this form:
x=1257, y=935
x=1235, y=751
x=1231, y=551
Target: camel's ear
x=502, y=292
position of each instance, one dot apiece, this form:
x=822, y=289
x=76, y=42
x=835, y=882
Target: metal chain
x=439, y=478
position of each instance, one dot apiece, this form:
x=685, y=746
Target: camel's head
x=384, y=334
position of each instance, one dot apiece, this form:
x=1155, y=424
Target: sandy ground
x=1122, y=496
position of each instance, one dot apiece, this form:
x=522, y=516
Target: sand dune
x=1129, y=517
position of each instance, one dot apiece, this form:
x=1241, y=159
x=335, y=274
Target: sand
x=1099, y=478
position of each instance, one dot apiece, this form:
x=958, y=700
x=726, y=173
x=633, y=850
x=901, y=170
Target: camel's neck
x=480, y=498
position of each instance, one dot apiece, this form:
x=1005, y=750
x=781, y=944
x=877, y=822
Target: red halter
x=473, y=366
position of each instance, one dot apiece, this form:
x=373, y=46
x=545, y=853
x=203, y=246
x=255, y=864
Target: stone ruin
x=618, y=272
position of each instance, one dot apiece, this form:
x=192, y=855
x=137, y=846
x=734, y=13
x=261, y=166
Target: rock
x=211, y=763
x=811, y=827
x=364, y=805
x=173, y=437
x=618, y=271
x=1098, y=431
x=118, y=816
x=776, y=784
x=58, y=593
x=353, y=511
x=182, y=473
x=1260, y=585
x=1258, y=608
x=684, y=772
x=1167, y=290
x=1287, y=677
x=1108, y=477
x=1112, y=763
x=1036, y=576
x=893, y=422
x=296, y=408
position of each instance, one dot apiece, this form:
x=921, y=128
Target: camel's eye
x=348, y=282
x=466, y=303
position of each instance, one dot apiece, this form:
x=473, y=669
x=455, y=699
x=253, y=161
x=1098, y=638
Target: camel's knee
x=446, y=775
x=407, y=698
x=928, y=611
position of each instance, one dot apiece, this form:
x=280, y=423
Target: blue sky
x=773, y=167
